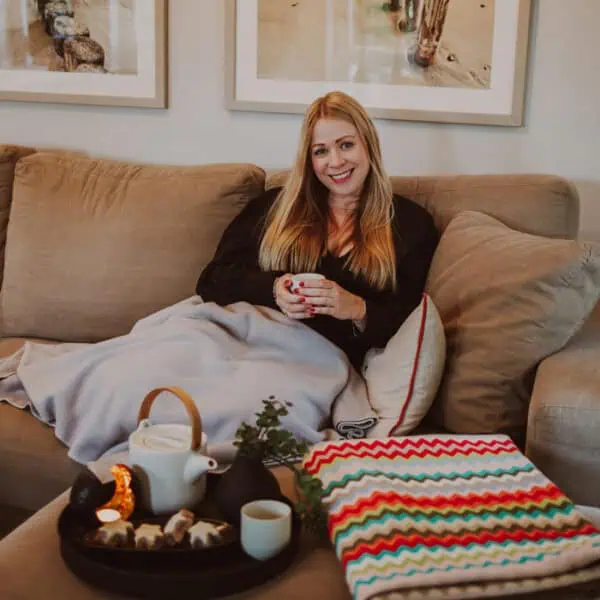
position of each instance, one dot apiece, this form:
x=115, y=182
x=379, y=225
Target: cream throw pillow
x=403, y=378
x=507, y=300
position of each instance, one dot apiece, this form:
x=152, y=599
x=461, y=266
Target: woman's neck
x=341, y=224
x=341, y=208
x=343, y=204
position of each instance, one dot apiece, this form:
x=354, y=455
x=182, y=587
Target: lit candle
x=108, y=515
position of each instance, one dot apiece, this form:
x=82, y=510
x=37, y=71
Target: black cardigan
x=234, y=275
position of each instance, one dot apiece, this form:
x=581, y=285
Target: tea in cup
x=266, y=528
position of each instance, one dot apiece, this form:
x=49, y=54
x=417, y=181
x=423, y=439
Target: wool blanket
x=449, y=516
x=229, y=359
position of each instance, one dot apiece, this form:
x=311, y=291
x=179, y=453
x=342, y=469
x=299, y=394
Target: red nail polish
x=301, y=284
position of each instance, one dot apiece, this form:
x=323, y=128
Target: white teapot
x=169, y=459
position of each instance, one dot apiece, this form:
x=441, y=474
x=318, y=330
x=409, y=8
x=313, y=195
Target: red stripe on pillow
x=413, y=375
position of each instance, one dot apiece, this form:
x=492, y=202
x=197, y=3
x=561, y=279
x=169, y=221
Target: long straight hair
x=295, y=233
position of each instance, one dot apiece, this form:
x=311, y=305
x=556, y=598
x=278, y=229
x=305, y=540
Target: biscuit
x=149, y=537
x=177, y=525
x=115, y=534
x=204, y=534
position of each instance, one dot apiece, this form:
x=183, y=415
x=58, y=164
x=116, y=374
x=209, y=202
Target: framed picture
x=107, y=52
x=456, y=61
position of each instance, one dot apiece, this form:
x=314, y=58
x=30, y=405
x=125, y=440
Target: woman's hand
x=292, y=305
x=325, y=297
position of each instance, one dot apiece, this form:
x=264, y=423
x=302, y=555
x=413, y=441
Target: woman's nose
x=335, y=159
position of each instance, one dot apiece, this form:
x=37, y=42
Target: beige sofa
x=89, y=246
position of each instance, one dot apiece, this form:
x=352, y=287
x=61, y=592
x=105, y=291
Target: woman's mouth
x=342, y=177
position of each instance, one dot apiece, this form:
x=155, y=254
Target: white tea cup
x=266, y=528
x=296, y=279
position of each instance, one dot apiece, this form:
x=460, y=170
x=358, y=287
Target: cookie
x=149, y=537
x=204, y=534
x=116, y=534
x=177, y=526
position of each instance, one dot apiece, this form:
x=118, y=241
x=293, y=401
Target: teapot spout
x=197, y=465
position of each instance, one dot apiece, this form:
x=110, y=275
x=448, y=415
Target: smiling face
x=339, y=158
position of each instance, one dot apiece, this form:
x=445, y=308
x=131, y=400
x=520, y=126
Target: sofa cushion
x=9, y=155
x=541, y=204
x=507, y=300
x=94, y=245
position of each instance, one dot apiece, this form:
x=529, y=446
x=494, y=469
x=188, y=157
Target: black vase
x=246, y=480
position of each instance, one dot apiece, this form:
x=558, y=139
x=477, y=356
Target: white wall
x=561, y=134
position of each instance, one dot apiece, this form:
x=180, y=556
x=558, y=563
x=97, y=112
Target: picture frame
x=97, y=52
x=266, y=68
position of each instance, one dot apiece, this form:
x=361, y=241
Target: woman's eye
x=319, y=151
x=347, y=145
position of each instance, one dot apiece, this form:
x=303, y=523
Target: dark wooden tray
x=205, y=573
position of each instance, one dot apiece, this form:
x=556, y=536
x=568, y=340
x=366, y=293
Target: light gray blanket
x=227, y=358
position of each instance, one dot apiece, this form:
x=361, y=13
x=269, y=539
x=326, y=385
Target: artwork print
x=50, y=47
x=446, y=60
x=402, y=42
x=34, y=34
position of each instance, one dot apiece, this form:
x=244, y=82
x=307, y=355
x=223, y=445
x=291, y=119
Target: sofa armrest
x=563, y=431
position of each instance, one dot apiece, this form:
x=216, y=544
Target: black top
x=234, y=275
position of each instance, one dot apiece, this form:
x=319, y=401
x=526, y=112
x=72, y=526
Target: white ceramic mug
x=296, y=279
x=266, y=528
x=170, y=459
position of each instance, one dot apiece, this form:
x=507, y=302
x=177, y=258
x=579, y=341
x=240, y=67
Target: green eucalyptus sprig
x=268, y=441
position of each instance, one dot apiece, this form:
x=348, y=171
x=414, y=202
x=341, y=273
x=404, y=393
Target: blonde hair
x=295, y=232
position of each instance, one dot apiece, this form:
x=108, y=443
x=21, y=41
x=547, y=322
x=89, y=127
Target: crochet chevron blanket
x=449, y=517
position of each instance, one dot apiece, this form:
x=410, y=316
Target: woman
x=336, y=215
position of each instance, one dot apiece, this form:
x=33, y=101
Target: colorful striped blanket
x=449, y=516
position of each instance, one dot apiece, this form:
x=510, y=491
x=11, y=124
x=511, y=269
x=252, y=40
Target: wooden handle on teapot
x=189, y=405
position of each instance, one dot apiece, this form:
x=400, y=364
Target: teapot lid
x=164, y=438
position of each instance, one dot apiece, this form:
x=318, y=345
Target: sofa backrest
x=544, y=205
x=93, y=245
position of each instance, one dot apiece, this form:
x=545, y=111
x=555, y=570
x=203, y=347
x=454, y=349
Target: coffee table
x=31, y=568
